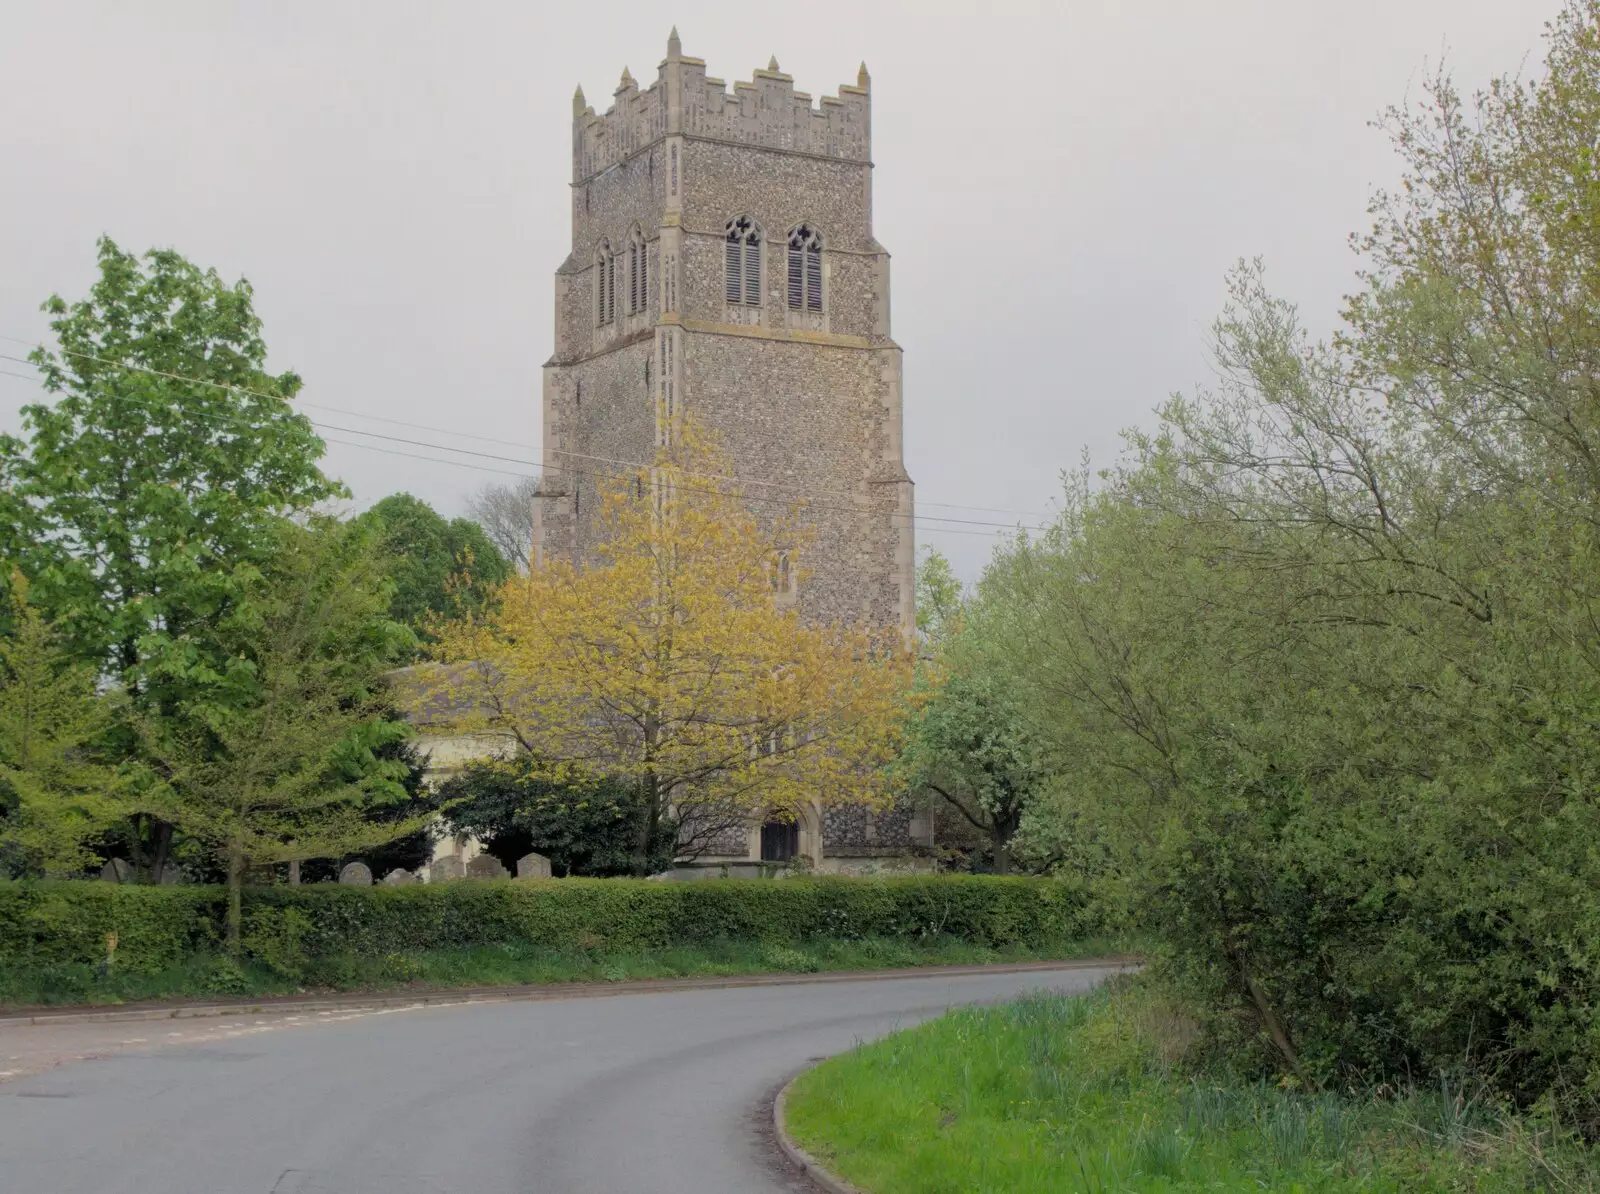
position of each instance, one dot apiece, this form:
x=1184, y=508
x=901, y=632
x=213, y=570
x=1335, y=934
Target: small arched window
x=638, y=273
x=805, y=269
x=742, y=262
x=783, y=574
x=605, y=284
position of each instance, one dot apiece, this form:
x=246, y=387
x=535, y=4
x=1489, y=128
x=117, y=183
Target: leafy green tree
x=56, y=792
x=412, y=850
x=969, y=743
x=290, y=765
x=939, y=594
x=1322, y=647
x=155, y=483
x=440, y=568
x=583, y=828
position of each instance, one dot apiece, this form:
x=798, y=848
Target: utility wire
x=482, y=438
x=596, y=474
x=467, y=464
x=627, y=465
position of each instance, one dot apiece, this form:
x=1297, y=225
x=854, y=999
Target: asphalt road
x=660, y=1093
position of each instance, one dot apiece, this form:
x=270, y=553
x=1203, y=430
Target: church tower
x=723, y=264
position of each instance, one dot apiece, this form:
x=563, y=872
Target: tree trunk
x=294, y=872
x=1002, y=850
x=645, y=827
x=1269, y=1018
x=235, y=896
x=163, y=850
x=140, y=860
x=649, y=794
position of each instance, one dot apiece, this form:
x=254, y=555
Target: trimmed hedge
x=67, y=922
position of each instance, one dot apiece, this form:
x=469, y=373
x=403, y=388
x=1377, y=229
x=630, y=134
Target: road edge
x=526, y=993
x=819, y=1175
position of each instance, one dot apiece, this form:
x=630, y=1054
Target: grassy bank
x=211, y=976
x=1057, y=1093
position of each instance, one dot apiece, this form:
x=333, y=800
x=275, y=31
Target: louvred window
x=804, y=290
x=742, y=262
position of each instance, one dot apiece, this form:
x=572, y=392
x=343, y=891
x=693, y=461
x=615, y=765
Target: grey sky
x=1062, y=185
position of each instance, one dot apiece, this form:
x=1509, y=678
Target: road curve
x=665, y=1093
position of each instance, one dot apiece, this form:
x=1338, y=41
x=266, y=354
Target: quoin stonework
x=723, y=263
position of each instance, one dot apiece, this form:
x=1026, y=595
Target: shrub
x=300, y=930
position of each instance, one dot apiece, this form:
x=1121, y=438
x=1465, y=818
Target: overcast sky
x=1063, y=187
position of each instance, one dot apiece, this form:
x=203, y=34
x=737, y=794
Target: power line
x=511, y=443
x=480, y=468
x=595, y=474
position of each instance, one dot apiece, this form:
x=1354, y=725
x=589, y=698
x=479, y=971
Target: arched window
x=605, y=284
x=783, y=574
x=638, y=272
x=805, y=269
x=742, y=261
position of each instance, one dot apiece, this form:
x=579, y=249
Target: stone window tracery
x=742, y=262
x=805, y=269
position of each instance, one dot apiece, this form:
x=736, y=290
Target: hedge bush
x=67, y=922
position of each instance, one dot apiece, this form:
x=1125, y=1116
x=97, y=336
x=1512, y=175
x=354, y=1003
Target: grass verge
x=215, y=976
x=1057, y=1093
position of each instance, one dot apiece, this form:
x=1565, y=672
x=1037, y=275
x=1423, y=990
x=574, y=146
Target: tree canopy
x=505, y=512
x=161, y=687
x=439, y=567
x=294, y=765
x=155, y=480
x=1321, y=649
x=56, y=789
x=665, y=661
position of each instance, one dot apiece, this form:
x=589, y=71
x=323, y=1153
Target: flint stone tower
x=723, y=264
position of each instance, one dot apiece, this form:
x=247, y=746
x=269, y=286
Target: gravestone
x=533, y=866
x=486, y=866
x=399, y=877
x=444, y=869
x=356, y=874
x=118, y=870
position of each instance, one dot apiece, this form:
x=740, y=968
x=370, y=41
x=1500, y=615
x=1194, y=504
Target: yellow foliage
x=667, y=659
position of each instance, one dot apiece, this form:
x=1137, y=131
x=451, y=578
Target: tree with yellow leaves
x=665, y=660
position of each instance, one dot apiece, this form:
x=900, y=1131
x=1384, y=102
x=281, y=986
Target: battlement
x=767, y=112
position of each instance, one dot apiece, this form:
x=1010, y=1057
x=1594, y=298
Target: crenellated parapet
x=767, y=111
x=636, y=119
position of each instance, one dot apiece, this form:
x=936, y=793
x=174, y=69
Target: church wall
x=575, y=328
x=779, y=189
x=804, y=416
x=851, y=288
x=608, y=205
x=611, y=414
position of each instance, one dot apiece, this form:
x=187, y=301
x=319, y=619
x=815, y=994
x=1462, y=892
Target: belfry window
x=638, y=273
x=741, y=257
x=605, y=284
x=805, y=269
